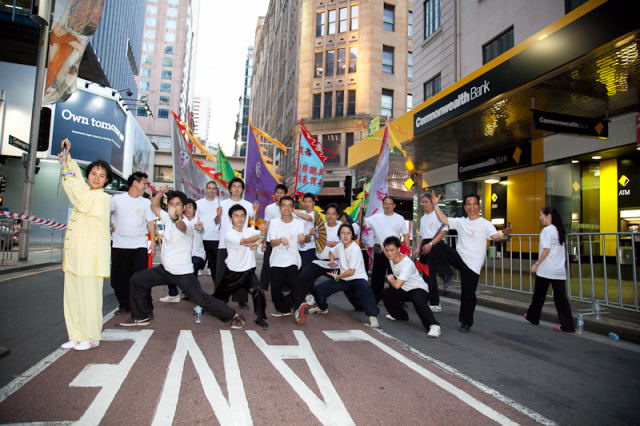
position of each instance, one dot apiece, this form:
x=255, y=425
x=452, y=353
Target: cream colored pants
x=83, y=307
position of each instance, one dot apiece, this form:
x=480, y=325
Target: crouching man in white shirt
x=240, y=272
x=175, y=268
x=406, y=285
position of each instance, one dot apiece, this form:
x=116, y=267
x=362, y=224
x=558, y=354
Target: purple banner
x=259, y=182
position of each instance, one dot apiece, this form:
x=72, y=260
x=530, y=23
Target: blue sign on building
x=95, y=125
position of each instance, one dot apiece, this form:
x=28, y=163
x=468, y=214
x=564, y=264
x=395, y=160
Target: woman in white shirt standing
x=550, y=269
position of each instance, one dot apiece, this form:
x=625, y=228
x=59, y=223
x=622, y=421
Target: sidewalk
x=40, y=256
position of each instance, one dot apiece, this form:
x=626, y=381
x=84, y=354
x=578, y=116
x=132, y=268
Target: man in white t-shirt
x=208, y=212
x=431, y=252
x=240, y=272
x=471, y=251
x=236, y=189
x=308, y=247
x=271, y=211
x=285, y=234
x=406, y=285
x=384, y=224
x=132, y=219
x=175, y=268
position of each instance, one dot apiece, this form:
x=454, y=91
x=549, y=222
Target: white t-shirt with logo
x=472, y=240
x=332, y=236
x=130, y=216
x=553, y=266
x=430, y=225
x=239, y=258
x=308, y=226
x=208, y=210
x=197, y=247
x=350, y=258
x=176, y=247
x=387, y=226
x=272, y=211
x=406, y=271
x=282, y=256
x=225, y=220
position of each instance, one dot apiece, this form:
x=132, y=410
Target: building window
x=320, y=23
x=146, y=72
x=169, y=36
x=143, y=98
x=167, y=62
x=141, y=111
x=318, y=69
x=353, y=59
x=164, y=100
x=150, y=22
x=168, y=50
x=315, y=114
x=147, y=60
x=351, y=102
x=409, y=64
x=163, y=174
x=163, y=113
x=386, y=103
x=333, y=144
x=328, y=104
x=152, y=10
x=355, y=10
x=569, y=5
x=409, y=101
x=387, y=59
x=167, y=74
x=339, y=103
x=410, y=24
x=431, y=87
x=498, y=45
x=431, y=17
x=342, y=61
x=165, y=87
x=170, y=25
x=148, y=46
x=172, y=12
x=389, y=17
x=150, y=34
x=331, y=60
x=342, y=27
x=145, y=85
x=331, y=29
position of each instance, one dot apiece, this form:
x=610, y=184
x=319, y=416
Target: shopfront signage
x=497, y=161
x=629, y=182
x=565, y=123
x=20, y=144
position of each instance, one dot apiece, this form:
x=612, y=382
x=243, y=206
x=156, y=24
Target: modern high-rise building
x=201, y=112
x=337, y=65
x=243, y=115
x=166, y=76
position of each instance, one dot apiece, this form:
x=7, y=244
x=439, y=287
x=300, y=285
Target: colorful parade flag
x=260, y=176
x=310, y=170
x=379, y=188
x=223, y=167
x=374, y=125
x=70, y=33
x=188, y=177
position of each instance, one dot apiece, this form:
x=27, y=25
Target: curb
x=627, y=331
x=21, y=268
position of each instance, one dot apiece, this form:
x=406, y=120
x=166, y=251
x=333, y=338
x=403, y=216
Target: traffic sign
x=19, y=143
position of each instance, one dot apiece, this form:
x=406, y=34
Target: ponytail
x=556, y=221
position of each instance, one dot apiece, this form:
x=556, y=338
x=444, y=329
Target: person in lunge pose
x=470, y=252
x=208, y=212
x=285, y=234
x=86, y=250
x=406, y=285
x=175, y=268
x=431, y=252
x=347, y=257
x=550, y=269
x=240, y=272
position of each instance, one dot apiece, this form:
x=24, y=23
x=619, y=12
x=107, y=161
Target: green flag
x=374, y=125
x=223, y=166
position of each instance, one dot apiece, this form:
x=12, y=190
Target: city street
x=333, y=370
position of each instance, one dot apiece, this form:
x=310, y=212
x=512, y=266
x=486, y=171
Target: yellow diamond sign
x=599, y=127
x=494, y=197
x=575, y=186
x=409, y=183
x=516, y=154
x=624, y=181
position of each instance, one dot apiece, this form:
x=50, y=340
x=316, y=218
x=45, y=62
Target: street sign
x=565, y=123
x=19, y=144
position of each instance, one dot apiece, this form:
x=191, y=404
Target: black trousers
x=241, y=295
x=211, y=252
x=142, y=283
x=265, y=277
x=285, y=278
x=307, y=257
x=307, y=279
x=559, y=298
x=198, y=263
x=393, y=299
x=232, y=281
x=125, y=263
x=381, y=268
x=469, y=285
x=437, y=262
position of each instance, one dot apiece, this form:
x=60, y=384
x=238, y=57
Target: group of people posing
x=109, y=236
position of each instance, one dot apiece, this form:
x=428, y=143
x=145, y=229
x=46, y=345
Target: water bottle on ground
x=613, y=336
x=597, y=309
x=580, y=324
x=198, y=313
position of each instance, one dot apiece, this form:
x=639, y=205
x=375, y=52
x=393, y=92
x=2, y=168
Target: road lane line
x=27, y=274
x=453, y=371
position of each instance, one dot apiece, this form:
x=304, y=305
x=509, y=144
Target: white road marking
x=235, y=411
x=359, y=335
x=331, y=411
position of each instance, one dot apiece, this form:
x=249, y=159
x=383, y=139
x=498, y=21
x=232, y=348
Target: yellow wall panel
x=609, y=202
x=525, y=199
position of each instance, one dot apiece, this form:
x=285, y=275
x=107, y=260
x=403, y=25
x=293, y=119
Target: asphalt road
x=331, y=370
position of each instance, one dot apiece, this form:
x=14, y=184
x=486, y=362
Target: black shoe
x=464, y=328
x=122, y=311
x=243, y=305
x=132, y=322
x=262, y=324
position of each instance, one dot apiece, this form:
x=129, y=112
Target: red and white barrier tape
x=33, y=219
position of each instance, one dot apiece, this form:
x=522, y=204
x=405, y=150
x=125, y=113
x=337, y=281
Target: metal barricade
x=7, y=239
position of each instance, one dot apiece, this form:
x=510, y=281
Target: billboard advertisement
x=95, y=125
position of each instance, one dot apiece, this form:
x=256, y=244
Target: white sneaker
x=277, y=314
x=373, y=322
x=310, y=300
x=171, y=299
x=70, y=344
x=388, y=316
x=435, y=308
x=85, y=346
x=434, y=332
x=317, y=310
